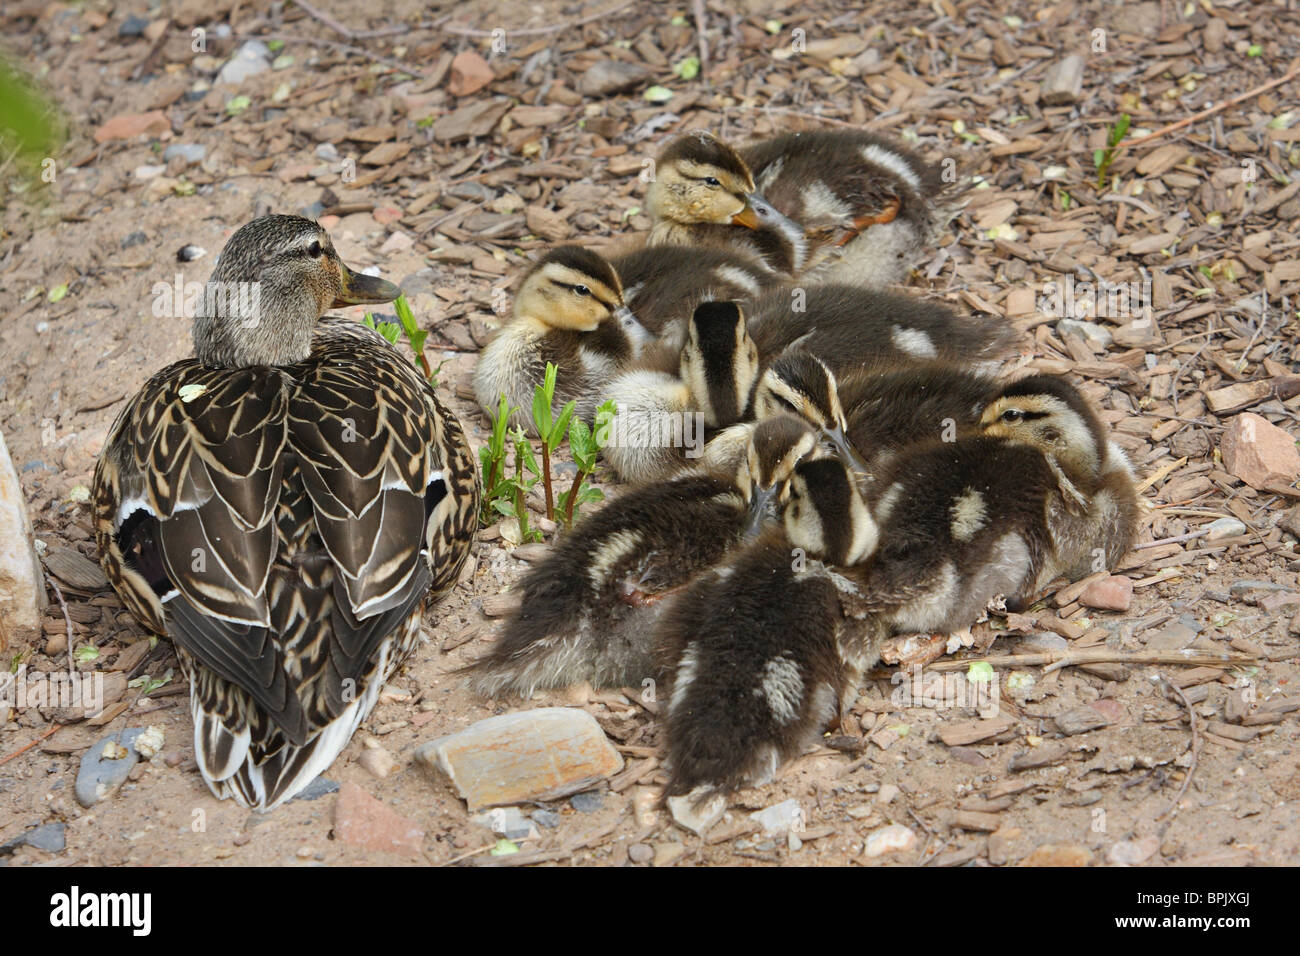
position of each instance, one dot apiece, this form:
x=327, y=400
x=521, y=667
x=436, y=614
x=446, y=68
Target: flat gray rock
x=105, y=766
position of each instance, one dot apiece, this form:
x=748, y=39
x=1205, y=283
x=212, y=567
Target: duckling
x=589, y=606
x=850, y=327
x=569, y=311
x=846, y=204
x=702, y=194
x=758, y=651
x=282, y=506
x=870, y=207
x=751, y=650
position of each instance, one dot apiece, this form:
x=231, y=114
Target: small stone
x=667, y=854
x=1052, y=854
x=894, y=838
x=1272, y=603
x=1258, y=452
x=886, y=794
x=507, y=822
x=697, y=819
x=640, y=853
x=318, y=788
x=1114, y=593
x=190, y=253
x=477, y=118
x=327, y=152
x=589, y=801
x=134, y=239
x=546, y=818
x=377, y=762
x=249, y=60
x=397, y=242
x=1224, y=528
x=531, y=755
x=304, y=852
x=105, y=766
x=132, y=26
x=51, y=837
x=1174, y=636
x=191, y=153
x=1001, y=842
x=1133, y=852
x=780, y=817
x=612, y=76
x=1246, y=586
x=361, y=820
x=469, y=74
x=131, y=125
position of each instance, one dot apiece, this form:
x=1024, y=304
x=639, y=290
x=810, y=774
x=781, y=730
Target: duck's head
x=1048, y=413
x=719, y=362
x=799, y=383
x=574, y=289
x=825, y=516
x=776, y=446
x=700, y=179
x=276, y=277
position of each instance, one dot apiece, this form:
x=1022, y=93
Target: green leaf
x=581, y=442
x=237, y=104
x=1098, y=157
x=274, y=45
x=503, y=848
x=504, y=506
x=58, y=292
x=1120, y=129
x=689, y=68
x=1254, y=50
x=86, y=653
x=658, y=94
x=557, y=430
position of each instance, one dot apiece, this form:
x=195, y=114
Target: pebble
x=190, y=253
x=589, y=801
x=134, y=239
x=469, y=74
x=533, y=755
x=377, y=761
x=361, y=820
x=610, y=76
x=1001, y=844
x=105, y=766
x=546, y=818
x=1051, y=854
x=1224, y=528
x=1133, y=852
x=1244, y=586
x=667, y=854
x=1258, y=452
x=640, y=853
x=1114, y=593
x=318, y=788
x=132, y=26
x=780, y=817
x=190, y=152
x=894, y=838
x=249, y=60
x=397, y=242
x=51, y=837
x=327, y=152
x=22, y=585
x=131, y=125
x=1175, y=635
x=697, y=820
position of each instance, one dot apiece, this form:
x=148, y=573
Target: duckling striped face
x=700, y=179
x=826, y=517
x=799, y=383
x=570, y=288
x=776, y=447
x=276, y=276
x=719, y=362
x=1049, y=414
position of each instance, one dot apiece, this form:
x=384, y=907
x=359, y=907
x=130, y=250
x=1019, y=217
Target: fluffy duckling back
x=569, y=311
x=750, y=650
x=871, y=208
x=588, y=607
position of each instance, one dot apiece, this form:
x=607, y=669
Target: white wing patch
x=782, y=688
x=888, y=159
x=969, y=513
x=914, y=342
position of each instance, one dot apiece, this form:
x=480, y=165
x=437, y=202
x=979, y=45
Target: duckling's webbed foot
x=888, y=213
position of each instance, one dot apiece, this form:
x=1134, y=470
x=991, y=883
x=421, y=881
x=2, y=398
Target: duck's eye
x=712, y=181
x=1013, y=415
x=315, y=250
x=581, y=290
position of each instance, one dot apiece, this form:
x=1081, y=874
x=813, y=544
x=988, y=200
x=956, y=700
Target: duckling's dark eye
x=1013, y=415
x=315, y=250
x=711, y=181
x=581, y=290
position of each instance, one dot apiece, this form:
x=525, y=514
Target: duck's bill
x=845, y=451
x=748, y=216
x=761, y=509
x=361, y=289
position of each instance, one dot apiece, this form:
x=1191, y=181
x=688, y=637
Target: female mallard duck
x=846, y=203
x=588, y=607
x=282, y=506
x=949, y=528
x=569, y=311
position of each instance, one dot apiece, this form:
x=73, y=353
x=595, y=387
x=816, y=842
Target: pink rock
x=1114, y=593
x=469, y=74
x=1258, y=452
x=328, y=222
x=1110, y=708
x=387, y=215
x=363, y=821
x=129, y=126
